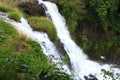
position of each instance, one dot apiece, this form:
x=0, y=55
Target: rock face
x=32, y=9
x=51, y=0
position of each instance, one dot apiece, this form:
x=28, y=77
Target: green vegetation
x=22, y=58
x=14, y=16
x=106, y=12
x=108, y=74
x=45, y=25
x=53, y=73
x=5, y=8
x=5, y=31
x=12, y=12
x=71, y=10
x=19, y=56
x=95, y=26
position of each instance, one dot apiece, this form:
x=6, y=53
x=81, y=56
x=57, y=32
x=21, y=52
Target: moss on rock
x=14, y=15
x=45, y=25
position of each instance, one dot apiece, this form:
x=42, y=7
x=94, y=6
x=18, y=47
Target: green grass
x=17, y=64
x=14, y=15
x=13, y=12
x=4, y=8
x=22, y=58
x=6, y=31
x=45, y=25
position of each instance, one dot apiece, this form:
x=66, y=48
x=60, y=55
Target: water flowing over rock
x=42, y=38
x=81, y=65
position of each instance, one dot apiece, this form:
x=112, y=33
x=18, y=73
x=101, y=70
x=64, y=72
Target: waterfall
x=81, y=65
x=40, y=37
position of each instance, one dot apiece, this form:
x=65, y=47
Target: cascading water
x=42, y=38
x=81, y=65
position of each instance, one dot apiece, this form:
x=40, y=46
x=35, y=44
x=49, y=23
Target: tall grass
x=16, y=61
x=4, y=8
x=45, y=25
x=10, y=3
x=11, y=8
x=22, y=58
x=14, y=15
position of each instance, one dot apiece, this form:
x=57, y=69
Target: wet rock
x=32, y=9
x=36, y=1
x=62, y=51
x=44, y=6
x=90, y=77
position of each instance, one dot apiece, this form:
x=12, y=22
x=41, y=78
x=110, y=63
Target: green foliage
x=66, y=59
x=6, y=31
x=15, y=63
x=12, y=12
x=71, y=10
x=22, y=58
x=105, y=12
x=52, y=73
x=99, y=31
x=109, y=74
x=14, y=15
x=4, y=8
x=45, y=25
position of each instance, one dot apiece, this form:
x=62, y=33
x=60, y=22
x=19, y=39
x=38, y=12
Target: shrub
x=45, y=25
x=15, y=16
x=52, y=73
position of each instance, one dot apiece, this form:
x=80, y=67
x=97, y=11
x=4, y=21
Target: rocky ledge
x=32, y=9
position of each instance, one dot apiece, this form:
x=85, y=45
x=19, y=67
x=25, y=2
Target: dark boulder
x=51, y=0
x=32, y=9
x=90, y=77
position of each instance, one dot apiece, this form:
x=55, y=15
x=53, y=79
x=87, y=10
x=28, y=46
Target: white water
x=81, y=65
x=42, y=38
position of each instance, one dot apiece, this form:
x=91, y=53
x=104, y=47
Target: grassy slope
x=19, y=56
x=22, y=58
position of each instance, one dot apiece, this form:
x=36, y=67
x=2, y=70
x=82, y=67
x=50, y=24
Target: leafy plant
x=52, y=73
x=110, y=75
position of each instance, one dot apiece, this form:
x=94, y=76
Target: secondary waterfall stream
x=42, y=38
x=81, y=65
